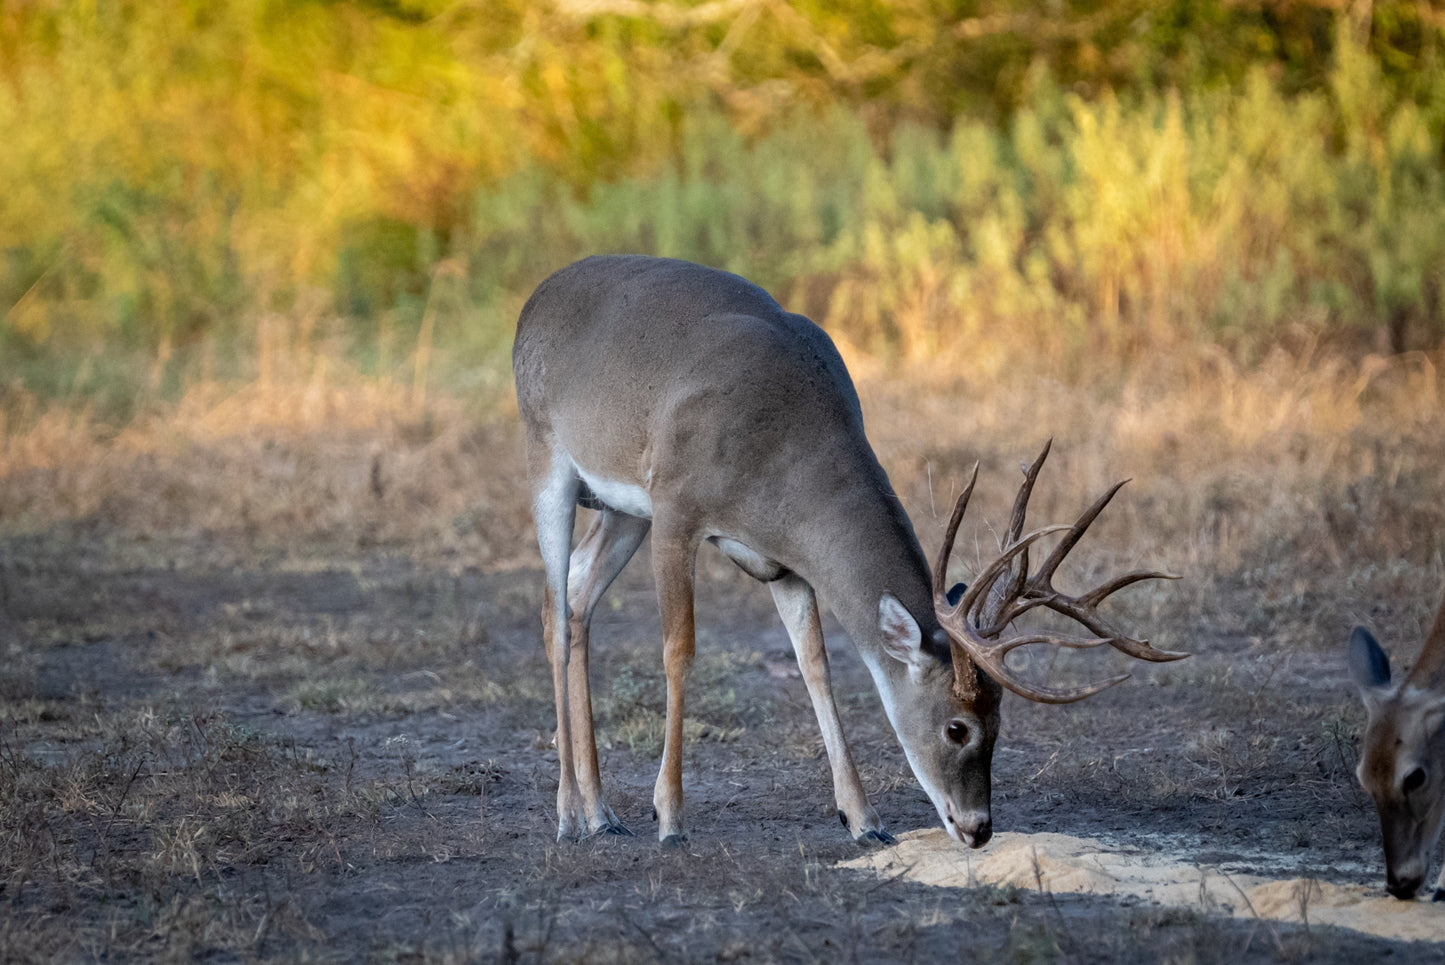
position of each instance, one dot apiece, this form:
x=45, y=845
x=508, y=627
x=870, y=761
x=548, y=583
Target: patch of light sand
x=1060, y=863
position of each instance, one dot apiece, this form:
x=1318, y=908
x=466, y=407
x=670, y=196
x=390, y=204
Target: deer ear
x=901, y=636
x=1368, y=663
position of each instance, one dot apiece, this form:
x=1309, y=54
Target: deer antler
x=1005, y=591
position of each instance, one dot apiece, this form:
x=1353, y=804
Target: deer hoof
x=876, y=838
x=611, y=827
x=674, y=842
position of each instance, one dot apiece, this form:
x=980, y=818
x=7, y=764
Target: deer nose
x=1403, y=888
x=980, y=835
x=974, y=828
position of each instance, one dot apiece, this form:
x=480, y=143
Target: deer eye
x=957, y=731
x=1414, y=781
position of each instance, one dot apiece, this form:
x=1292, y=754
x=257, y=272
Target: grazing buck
x=682, y=399
x=1402, y=756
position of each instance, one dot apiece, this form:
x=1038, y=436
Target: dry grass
x=322, y=456
x=153, y=801
x=1297, y=497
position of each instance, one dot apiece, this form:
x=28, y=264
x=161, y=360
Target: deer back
x=696, y=386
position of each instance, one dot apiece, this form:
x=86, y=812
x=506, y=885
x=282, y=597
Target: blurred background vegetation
x=194, y=189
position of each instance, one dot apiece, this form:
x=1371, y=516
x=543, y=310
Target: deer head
x=1402, y=755
x=977, y=628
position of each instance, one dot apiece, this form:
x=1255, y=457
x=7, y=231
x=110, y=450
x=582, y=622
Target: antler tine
x=940, y=566
x=1043, y=579
x=1005, y=646
x=1054, y=601
x=991, y=572
x=991, y=658
x=1095, y=596
x=1015, y=608
x=1021, y=501
x=1002, y=599
x=1092, y=621
x=1068, y=695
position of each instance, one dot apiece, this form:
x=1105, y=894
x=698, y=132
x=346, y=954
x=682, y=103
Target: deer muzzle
x=1407, y=856
x=1403, y=888
x=972, y=827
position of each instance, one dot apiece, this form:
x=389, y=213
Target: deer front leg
x=598, y=558
x=798, y=606
x=672, y=565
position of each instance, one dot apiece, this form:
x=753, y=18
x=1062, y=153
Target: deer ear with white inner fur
x=901, y=636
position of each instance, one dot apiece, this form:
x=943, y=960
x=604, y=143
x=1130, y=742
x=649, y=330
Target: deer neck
x=867, y=549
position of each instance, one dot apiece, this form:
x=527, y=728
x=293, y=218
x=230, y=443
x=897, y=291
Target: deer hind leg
x=798, y=606
x=602, y=553
x=554, y=506
x=672, y=567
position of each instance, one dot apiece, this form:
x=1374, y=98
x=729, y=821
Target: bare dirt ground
x=402, y=806
x=315, y=746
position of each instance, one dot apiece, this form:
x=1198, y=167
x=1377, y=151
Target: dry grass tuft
x=141, y=815
x=324, y=457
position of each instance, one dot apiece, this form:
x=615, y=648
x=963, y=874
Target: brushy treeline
x=1109, y=178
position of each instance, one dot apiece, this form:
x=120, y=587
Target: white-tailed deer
x=1402, y=756
x=683, y=399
